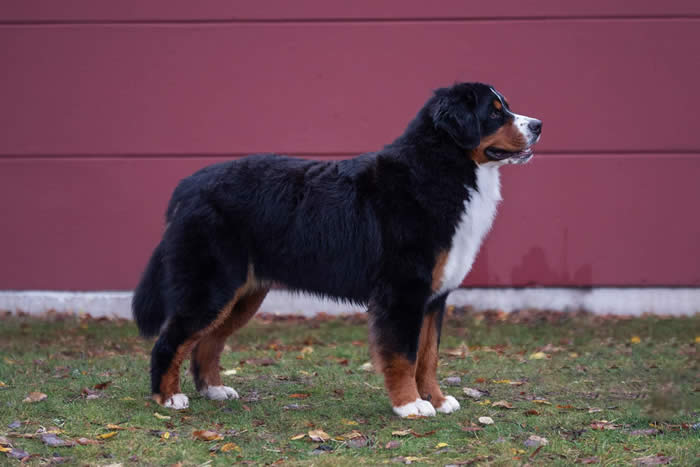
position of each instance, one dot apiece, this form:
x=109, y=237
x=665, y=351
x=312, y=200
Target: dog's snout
x=535, y=126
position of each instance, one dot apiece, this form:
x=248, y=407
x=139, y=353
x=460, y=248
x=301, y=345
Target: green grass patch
x=599, y=390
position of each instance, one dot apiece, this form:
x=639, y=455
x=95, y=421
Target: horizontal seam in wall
x=234, y=155
x=154, y=21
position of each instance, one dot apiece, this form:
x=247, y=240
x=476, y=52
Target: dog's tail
x=148, y=304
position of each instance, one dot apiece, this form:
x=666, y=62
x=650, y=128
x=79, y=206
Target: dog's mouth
x=516, y=157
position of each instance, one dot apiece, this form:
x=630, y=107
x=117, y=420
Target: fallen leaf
x=296, y=437
x=473, y=393
x=594, y=410
x=635, y=340
x=358, y=442
x=228, y=447
x=206, y=435
x=589, y=460
x=697, y=339
x=35, y=397
x=658, y=459
x=535, y=441
x=52, y=440
x=567, y=406
x=392, y=445
x=112, y=426
x=4, y=449
x=486, y=420
x=401, y=432
x=441, y=445
x=502, y=405
x=345, y=421
x=532, y=412
x=2, y=385
x=367, y=366
x=165, y=435
x=300, y=396
x=453, y=380
x=507, y=381
x=107, y=435
x=538, y=356
x=162, y=417
x=603, y=425
x=541, y=401
x=102, y=386
x=319, y=436
x=87, y=442
x=229, y=372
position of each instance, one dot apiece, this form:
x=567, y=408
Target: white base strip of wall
x=623, y=301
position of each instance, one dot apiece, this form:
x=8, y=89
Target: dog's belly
x=474, y=224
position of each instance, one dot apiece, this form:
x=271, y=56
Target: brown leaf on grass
x=502, y=405
x=35, y=397
x=658, y=459
x=87, y=442
x=392, y=445
x=566, y=407
x=603, y=425
x=589, y=460
x=90, y=394
x=206, y=435
x=300, y=396
x=101, y=386
x=112, y=426
x=228, y=447
x=297, y=437
x=532, y=412
x=319, y=436
x=541, y=401
x=423, y=435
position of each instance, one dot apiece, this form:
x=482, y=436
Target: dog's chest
x=474, y=224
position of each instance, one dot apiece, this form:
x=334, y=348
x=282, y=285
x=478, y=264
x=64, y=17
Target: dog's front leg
x=394, y=333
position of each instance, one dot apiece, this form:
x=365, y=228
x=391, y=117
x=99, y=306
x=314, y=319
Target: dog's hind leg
x=394, y=332
x=426, y=368
x=206, y=354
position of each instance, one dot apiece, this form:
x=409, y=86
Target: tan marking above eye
x=497, y=104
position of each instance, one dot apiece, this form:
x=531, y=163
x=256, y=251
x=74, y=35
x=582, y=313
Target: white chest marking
x=476, y=220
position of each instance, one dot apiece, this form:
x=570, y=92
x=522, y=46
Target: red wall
x=105, y=105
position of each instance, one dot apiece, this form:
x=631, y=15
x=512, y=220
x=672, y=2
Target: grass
x=615, y=390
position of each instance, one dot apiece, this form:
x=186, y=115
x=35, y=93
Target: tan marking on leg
x=208, y=351
x=170, y=381
x=399, y=376
x=439, y=270
x=426, y=367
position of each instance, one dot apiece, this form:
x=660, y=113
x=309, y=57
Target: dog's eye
x=496, y=113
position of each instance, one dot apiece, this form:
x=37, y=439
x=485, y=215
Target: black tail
x=148, y=305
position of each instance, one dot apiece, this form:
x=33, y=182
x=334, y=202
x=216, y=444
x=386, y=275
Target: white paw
x=419, y=407
x=450, y=405
x=219, y=393
x=177, y=402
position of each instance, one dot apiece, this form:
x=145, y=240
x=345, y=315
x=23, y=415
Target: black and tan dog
x=396, y=229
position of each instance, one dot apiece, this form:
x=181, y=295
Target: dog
x=396, y=229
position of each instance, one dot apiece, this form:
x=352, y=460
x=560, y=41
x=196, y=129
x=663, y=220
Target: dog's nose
x=535, y=126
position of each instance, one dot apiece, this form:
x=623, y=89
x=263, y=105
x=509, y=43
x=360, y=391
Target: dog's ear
x=457, y=116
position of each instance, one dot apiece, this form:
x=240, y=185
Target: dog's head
x=479, y=119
